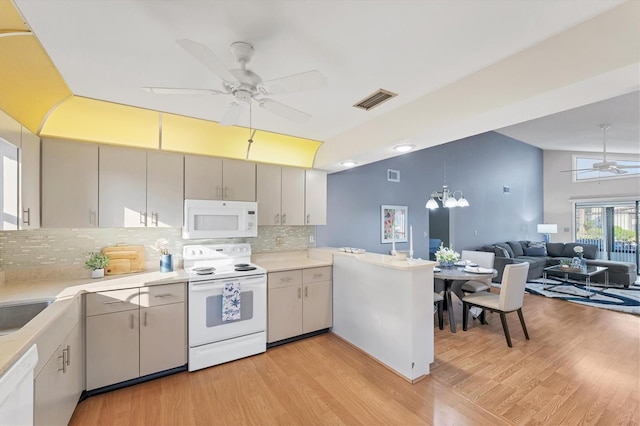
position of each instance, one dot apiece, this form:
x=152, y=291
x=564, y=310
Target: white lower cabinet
x=134, y=332
x=300, y=301
x=59, y=383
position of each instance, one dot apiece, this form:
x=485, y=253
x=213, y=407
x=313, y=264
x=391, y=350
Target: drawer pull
x=163, y=295
x=285, y=279
x=317, y=275
x=113, y=302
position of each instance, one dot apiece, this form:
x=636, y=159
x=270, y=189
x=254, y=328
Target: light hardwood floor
x=581, y=366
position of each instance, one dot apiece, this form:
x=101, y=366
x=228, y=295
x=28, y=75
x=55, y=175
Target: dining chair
x=438, y=301
x=510, y=299
x=483, y=259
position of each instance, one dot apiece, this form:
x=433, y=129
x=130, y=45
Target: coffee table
x=584, y=274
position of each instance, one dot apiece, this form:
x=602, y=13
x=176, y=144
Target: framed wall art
x=394, y=224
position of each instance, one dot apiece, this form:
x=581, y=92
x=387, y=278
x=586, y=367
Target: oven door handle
x=207, y=287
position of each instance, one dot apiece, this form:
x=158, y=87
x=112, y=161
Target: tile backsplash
x=60, y=253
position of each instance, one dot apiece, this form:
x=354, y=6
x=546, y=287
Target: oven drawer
x=162, y=294
x=106, y=302
x=314, y=275
x=284, y=278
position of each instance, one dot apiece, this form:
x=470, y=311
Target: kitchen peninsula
x=384, y=306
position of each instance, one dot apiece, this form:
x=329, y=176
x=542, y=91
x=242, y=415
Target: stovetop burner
x=204, y=270
x=241, y=265
x=245, y=268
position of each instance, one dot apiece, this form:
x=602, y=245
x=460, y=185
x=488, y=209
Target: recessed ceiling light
x=404, y=147
x=348, y=163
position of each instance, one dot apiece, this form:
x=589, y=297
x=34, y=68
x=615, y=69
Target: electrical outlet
x=279, y=240
x=312, y=239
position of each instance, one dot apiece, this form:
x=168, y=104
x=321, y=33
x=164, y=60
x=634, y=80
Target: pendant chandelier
x=447, y=197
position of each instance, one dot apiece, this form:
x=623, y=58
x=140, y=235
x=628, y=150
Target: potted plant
x=446, y=256
x=96, y=263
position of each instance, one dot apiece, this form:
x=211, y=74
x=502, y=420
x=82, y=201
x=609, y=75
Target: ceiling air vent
x=375, y=99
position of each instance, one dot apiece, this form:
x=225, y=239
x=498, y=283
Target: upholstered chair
x=510, y=299
x=438, y=301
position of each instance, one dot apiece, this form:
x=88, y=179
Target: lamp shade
x=547, y=228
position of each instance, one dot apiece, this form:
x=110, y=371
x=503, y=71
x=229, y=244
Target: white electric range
x=214, y=338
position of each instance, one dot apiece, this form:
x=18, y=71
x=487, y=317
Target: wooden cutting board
x=124, y=259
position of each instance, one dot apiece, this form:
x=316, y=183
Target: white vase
x=97, y=273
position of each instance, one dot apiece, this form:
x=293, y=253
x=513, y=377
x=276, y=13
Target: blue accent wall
x=480, y=166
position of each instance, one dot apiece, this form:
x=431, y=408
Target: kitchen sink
x=14, y=315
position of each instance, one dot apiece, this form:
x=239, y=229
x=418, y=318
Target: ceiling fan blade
x=283, y=110
x=233, y=114
x=631, y=166
x=617, y=170
x=182, y=91
x=207, y=58
x=309, y=80
x=579, y=170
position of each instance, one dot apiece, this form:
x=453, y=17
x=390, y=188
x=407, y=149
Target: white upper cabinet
x=164, y=189
x=69, y=184
x=280, y=195
x=210, y=178
x=268, y=193
x=316, y=197
x=238, y=180
x=30, y=180
x=292, y=196
x=139, y=188
x=202, y=177
x=123, y=187
x=10, y=129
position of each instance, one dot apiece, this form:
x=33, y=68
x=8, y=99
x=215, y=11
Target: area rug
x=614, y=298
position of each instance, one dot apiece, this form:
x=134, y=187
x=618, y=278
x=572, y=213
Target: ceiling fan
x=245, y=85
x=605, y=166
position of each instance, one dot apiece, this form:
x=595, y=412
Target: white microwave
x=206, y=219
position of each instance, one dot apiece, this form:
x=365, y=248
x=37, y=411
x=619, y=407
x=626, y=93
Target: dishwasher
x=16, y=390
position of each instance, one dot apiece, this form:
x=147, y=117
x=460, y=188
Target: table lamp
x=546, y=229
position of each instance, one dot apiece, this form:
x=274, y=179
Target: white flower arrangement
x=161, y=246
x=445, y=254
x=579, y=250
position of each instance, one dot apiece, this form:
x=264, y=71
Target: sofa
x=539, y=255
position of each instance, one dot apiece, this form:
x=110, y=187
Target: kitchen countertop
x=286, y=261
x=65, y=292
x=385, y=260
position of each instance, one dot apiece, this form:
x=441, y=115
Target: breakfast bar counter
x=384, y=306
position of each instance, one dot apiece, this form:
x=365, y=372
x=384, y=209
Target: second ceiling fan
x=245, y=85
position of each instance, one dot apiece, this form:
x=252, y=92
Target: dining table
x=458, y=273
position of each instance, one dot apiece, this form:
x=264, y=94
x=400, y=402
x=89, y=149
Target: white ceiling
x=435, y=54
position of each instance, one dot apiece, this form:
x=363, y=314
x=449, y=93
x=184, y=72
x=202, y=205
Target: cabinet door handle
x=154, y=218
x=26, y=216
x=306, y=292
x=276, y=220
x=218, y=192
x=131, y=321
x=145, y=318
x=284, y=219
x=299, y=293
x=308, y=219
x=68, y=355
x=226, y=192
x=143, y=218
x=92, y=218
x=64, y=365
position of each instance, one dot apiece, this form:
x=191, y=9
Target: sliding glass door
x=613, y=227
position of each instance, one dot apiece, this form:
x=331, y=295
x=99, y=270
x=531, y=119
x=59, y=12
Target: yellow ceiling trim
x=196, y=136
x=275, y=148
x=10, y=19
x=92, y=120
x=29, y=82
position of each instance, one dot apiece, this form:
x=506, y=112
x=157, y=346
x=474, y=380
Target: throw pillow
x=507, y=248
x=501, y=252
x=555, y=249
x=516, y=248
x=535, y=251
x=540, y=245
